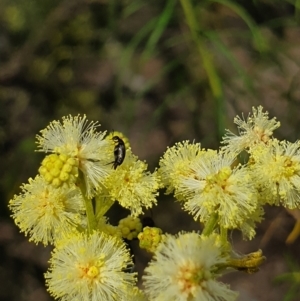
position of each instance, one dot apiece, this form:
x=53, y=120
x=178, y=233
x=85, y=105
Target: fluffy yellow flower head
x=185, y=268
x=76, y=138
x=177, y=162
x=132, y=185
x=256, y=129
x=47, y=213
x=249, y=224
x=276, y=171
x=135, y=295
x=216, y=187
x=90, y=267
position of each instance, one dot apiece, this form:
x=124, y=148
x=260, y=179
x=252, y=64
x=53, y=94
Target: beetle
x=119, y=151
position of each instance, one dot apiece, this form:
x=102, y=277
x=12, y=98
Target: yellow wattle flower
x=256, y=129
x=130, y=227
x=132, y=185
x=90, y=267
x=185, y=267
x=78, y=139
x=47, y=213
x=59, y=169
x=150, y=238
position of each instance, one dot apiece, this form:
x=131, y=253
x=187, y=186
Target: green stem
x=223, y=233
x=211, y=224
x=103, y=204
x=297, y=11
x=91, y=221
x=90, y=214
x=207, y=61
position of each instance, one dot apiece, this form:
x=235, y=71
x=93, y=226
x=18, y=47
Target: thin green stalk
x=223, y=233
x=102, y=204
x=161, y=24
x=207, y=60
x=112, y=15
x=91, y=220
x=239, y=10
x=297, y=11
x=211, y=224
x=90, y=214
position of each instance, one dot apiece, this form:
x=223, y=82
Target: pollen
x=220, y=178
x=290, y=167
x=59, y=169
x=189, y=277
x=93, y=272
x=262, y=134
x=89, y=271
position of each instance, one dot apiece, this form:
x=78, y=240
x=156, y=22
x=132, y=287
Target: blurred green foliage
x=292, y=278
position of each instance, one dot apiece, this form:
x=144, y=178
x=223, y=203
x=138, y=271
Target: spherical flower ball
x=44, y=212
x=90, y=267
x=218, y=187
x=256, y=129
x=77, y=138
x=185, y=268
x=132, y=185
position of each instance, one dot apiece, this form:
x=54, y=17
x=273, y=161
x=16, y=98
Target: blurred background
x=160, y=72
